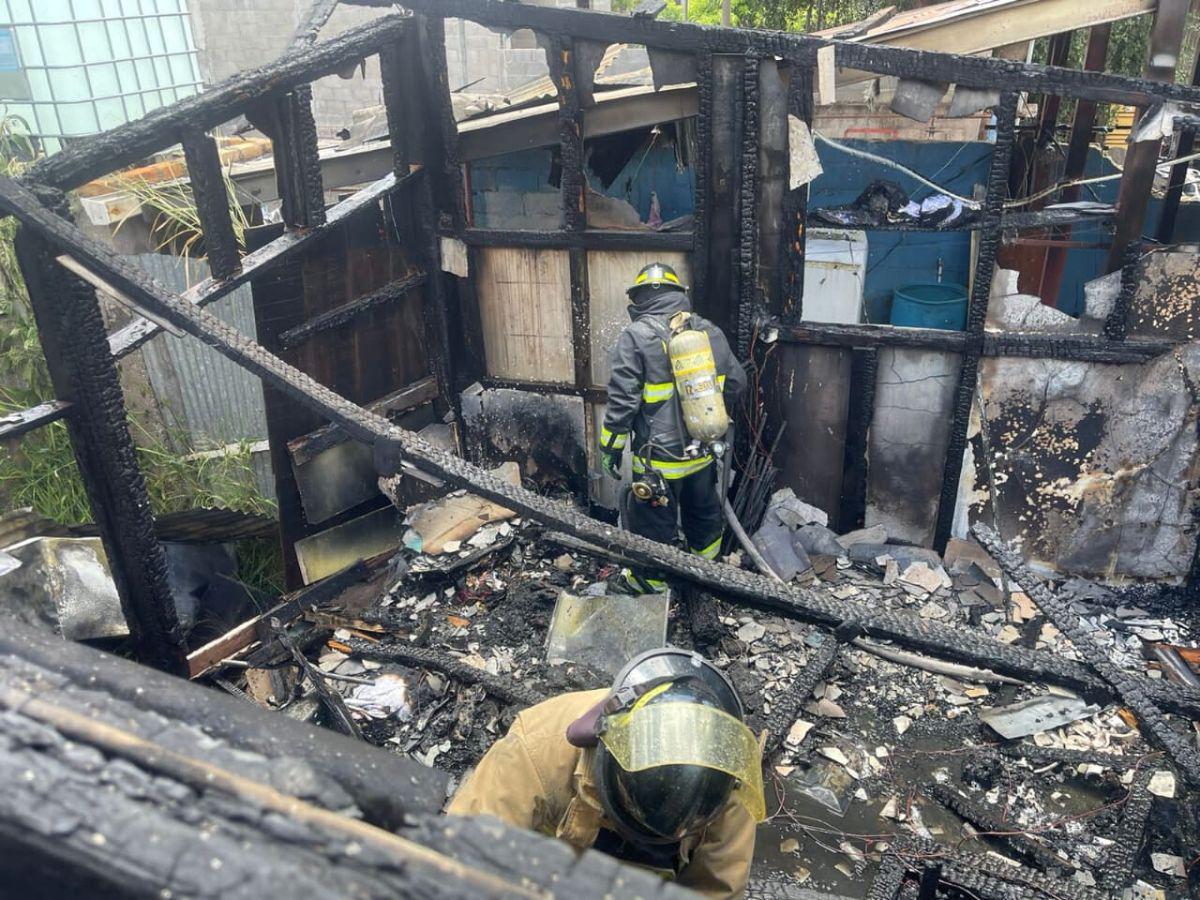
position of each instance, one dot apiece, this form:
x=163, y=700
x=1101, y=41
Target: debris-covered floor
x=436, y=651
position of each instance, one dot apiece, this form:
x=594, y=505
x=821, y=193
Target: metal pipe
x=1173, y=665
x=747, y=545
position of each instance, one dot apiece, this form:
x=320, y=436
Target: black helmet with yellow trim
x=672, y=748
x=656, y=275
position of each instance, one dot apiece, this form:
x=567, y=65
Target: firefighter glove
x=611, y=461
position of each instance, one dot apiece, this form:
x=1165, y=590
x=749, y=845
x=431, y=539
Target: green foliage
x=775, y=15
x=38, y=470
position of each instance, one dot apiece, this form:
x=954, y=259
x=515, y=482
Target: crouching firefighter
x=659, y=772
x=672, y=375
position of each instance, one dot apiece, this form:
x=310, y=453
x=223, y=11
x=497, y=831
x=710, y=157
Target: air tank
x=701, y=398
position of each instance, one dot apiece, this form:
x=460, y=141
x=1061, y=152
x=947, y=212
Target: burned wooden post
x=794, y=235
x=747, y=206
x=212, y=204
x=293, y=132
x=721, y=110
x=84, y=374
x=989, y=245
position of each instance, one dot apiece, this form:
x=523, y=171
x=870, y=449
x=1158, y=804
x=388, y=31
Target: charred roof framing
x=426, y=165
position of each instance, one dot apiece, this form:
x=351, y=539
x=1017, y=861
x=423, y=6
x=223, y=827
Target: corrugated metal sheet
x=210, y=399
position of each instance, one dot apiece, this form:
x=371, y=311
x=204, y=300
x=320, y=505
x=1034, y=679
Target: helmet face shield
x=688, y=734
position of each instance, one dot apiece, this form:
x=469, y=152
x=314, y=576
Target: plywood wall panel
x=525, y=310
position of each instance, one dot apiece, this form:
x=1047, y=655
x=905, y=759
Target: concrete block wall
x=235, y=35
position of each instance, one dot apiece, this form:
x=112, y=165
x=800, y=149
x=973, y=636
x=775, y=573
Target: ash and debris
x=881, y=754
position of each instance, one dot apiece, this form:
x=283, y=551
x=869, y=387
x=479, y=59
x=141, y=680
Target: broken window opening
x=642, y=178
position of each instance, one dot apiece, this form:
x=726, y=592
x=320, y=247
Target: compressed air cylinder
x=700, y=396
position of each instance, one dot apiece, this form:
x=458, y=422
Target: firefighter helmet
x=656, y=275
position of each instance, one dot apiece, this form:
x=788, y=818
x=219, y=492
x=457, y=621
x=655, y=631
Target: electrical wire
x=1010, y=204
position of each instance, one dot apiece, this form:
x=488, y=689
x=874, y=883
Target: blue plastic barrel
x=930, y=306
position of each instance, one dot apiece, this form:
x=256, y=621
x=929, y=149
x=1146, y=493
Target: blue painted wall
x=514, y=191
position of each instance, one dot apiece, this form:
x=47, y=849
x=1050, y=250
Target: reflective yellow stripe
x=644, y=585
x=610, y=440
x=711, y=551
x=670, y=469
x=657, y=393
x=721, y=381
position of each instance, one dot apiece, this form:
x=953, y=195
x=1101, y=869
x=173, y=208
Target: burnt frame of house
x=727, y=244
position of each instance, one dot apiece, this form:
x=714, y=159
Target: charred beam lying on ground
x=972, y=71
x=347, y=313
x=126, y=144
x=161, y=801
x=1042, y=756
x=579, y=240
x=889, y=879
x=786, y=709
x=1131, y=690
x=1117, y=870
x=1082, y=348
x=392, y=443
x=992, y=826
x=384, y=787
x=13, y=425
x=504, y=689
x=985, y=877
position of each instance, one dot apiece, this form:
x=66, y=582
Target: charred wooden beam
x=747, y=208
x=84, y=374
x=994, y=826
x=985, y=265
x=786, y=708
x=561, y=59
x=449, y=191
x=889, y=879
x=864, y=373
x=13, y=425
x=592, y=394
x=127, y=339
x=304, y=449
x=1141, y=160
x=724, y=124
x=579, y=240
x=1117, y=871
x=790, y=292
x=973, y=71
x=394, y=68
x=701, y=163
x=1116, y=326
x=211, y=197
x=391, y=442
x=293, y=130
x=1151, y=720
x=503, y=689
x=126, y=144
x=347, y=313
x=1035, y=345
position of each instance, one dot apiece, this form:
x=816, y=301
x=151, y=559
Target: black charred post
x=84, y=374
x=293, y=132
x=1116, y=326
x=972, y=71
x=786, y=708
x=724, y=125
x=889, y=879
x=747, y=208
x=1117, y=870
x=1170, y=209
x=956, y=644
x=435, y=310
x=989, y=245
x=560, y=58
x=1151, y=721
x=443, y=162
x=864, y=372
x=993, y=826
x=395, y=66
x=790, y=293
x=212, y=204
x=702, y=208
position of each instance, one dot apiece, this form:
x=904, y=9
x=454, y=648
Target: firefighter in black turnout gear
x=675, y=479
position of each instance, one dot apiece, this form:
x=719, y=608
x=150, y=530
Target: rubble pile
x=881, y=748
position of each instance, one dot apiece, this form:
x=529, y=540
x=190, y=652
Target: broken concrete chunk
x=1162, y=784
x=817, y=540
x=960, y=554
x=799, y=730
x=922, y=576
x=1168, y=864
x=774, y=542
x=791, y=845
x=788, y=509
x=751, y=632
x=834, y=754
x=902, y=724
x=876, y=534
x=904, y=555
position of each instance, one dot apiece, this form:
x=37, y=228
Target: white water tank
x=835, y=270
x=71, y=68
